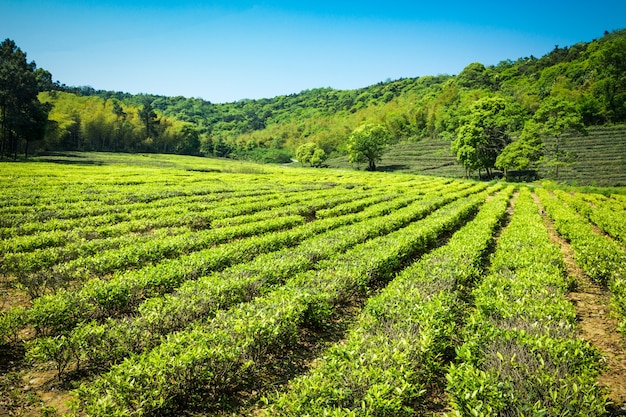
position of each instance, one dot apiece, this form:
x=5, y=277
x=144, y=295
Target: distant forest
x=588, y=79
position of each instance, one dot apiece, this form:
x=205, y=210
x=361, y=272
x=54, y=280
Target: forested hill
x=589, y=77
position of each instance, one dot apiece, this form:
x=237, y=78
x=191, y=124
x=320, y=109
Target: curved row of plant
x=397, y=350
x=218, y=352
x=78, y=240
x=54, y=313
x=601, y=257
x=40, y=271
x=608, y=214
x=112, y=340
x=521, y=354
x=189, y=212
x=51, y=217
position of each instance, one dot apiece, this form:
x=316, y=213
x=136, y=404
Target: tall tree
x=149, y=118
x=485, y=131
x=367, y=143
x=22, y=117
x=610, y=65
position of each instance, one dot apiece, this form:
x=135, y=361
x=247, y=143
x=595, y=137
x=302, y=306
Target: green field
x=167, y=285
x=596, y=159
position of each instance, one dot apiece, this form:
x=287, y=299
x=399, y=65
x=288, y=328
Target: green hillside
x=596, y=159
x=431, y=156
x=515, y=108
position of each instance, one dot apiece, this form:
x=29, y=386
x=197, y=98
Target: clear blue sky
x=224, y=51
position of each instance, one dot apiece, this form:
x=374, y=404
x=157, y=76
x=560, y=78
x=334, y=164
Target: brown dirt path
x=596, y=324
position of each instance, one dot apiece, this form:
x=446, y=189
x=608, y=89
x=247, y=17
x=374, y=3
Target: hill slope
x=596, y=159
x=427, y=111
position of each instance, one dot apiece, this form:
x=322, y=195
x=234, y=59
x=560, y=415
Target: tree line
x=495, y=117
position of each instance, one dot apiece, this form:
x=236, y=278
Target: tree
x=189, y=140
x=555, y=117
x=22, y=117
x=474, y=76
x=310, y=153
x=149, y=118
x=367, y=143
x=610, y=65
x=485, y=131
x=520, y=155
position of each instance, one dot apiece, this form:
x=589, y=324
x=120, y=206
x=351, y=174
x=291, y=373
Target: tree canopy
x=367, y=143
x=22, y=116
x=485, y=131
x=310, y=153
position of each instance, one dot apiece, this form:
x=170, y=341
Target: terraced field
x=162, y=285
x=596, y=159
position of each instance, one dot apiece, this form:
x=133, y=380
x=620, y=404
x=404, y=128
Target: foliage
x=367, y=143
x=587, y=75
x=519, y=155
x=553, y=119
x=601, y=257
x=485, y=131
x=522, y=355
x=91, y=123
x=310, y=153
x=22, y=116
x=165, y=284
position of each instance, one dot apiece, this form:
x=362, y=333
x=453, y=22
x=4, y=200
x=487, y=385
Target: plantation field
x=143, y=285
x=594, y=159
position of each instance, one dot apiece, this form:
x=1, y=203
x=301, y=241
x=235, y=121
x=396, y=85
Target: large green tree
x=22, y=116
x=485, y=131
x=367, y=143
x=523, y=153
x=609, y=63
x=149, y=118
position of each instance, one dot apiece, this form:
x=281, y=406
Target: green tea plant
x=521, y=355
x=198, y=298
x=602, y=258
x=217, y=352
x=398, y=347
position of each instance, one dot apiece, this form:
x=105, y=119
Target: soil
x=596, y=324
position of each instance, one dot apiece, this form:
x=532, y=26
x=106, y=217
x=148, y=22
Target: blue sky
x=224, y=51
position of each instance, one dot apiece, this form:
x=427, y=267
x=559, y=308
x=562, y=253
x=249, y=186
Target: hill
x=430, y=156
x=588, y=77
x=598, y=158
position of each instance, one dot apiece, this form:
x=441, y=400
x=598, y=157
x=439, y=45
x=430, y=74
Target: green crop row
x=108, y=342
x=608, y=214
x=194, y=216
x=424, y=188
x=101, y=256
x=178, y=209
x=216, y=353
x=58, y=217
x=143, y=251
x=397, y=349
x=602, y=258
x=101, y=298
x=98, y=213
x=521, y=355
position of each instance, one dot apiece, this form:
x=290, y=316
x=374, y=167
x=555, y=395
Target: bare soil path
x=596, y=324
